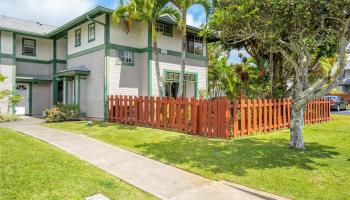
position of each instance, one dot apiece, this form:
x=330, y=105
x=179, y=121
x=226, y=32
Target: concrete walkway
x=159, y=179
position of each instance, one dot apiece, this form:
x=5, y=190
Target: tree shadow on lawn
x=114, y=125
x=235, y=156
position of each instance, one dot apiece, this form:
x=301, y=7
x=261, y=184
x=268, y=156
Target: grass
x=32, y=169
x=262, y=161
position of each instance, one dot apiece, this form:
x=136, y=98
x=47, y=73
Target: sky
x=58, y=12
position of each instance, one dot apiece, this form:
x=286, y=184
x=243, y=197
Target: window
x=77, y=37
x=28, y=47
x=91, y=32
x=194, y=44
x=125, y=57
x=166, y=29
x=171, y=84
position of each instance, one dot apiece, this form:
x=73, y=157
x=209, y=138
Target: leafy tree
x=236, y=80
x=303, y=32
x=12, y=98
x=183, y=6
x=148, y=11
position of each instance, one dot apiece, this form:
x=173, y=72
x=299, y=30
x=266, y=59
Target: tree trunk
x=156, y=60
x=271, y=75
x=296, y=128
x=183, y=54
x=297, y=115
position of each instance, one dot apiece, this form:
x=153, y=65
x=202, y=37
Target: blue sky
x=58, y=12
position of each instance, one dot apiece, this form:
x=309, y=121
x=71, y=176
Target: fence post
x=178, y=119
x=130, y=121
x=136, y=110
x=141, y=114
x=270, y=114
x=157, y=112
x=151, y=116
x=265, y=115
x=243, y=113
x=235, y=118
x=249, y=117
x=288, y=111
x=146, y=111
x=227, y=118
x=193, y=115
x=279, y=114
x=284, y=103
x=210, y=118
x=275, y=114
x=260, y=114
x=165, y=112
x=255, y=127
x=185, y=124
x=110, y=108
x=204, y=115
x=125, y=109
x=172, y=113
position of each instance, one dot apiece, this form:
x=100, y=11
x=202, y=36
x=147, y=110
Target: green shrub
x=8, y=117
x=62, y=112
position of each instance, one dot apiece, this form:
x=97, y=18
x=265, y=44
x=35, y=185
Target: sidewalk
x=159, y=179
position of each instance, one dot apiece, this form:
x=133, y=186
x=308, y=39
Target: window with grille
x=166, y=29
x=77, y=37
x=91, y=32
x=125, y=57
x=194, y=44
x=28, y=47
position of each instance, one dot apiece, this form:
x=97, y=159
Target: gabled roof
x=47, y=31
x=20, y=25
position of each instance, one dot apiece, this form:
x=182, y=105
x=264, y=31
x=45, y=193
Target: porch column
x=77, y=89
x=65, y=90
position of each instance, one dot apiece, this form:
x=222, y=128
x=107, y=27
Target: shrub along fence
x=218, y=118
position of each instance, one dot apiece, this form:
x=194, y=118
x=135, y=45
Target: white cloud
x=192, y=21
x=53, y=12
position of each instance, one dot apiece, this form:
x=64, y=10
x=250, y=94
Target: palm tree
x=149, y=11
x=183, y=6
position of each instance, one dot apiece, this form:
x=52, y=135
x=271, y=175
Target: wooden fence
x=344, y=96
x=218, y=118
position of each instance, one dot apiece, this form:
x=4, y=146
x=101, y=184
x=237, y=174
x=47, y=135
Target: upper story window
x=78, y=37
x=166, y=29
x=125, y=57
x=91, y=32
x=28, y=47
x=194, y=44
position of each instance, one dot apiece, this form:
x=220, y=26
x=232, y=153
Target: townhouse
x=89, y=58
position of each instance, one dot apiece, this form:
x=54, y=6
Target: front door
x=22, y=108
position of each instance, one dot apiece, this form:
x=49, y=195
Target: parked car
x=337, y=103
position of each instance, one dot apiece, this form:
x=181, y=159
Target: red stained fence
x=218, y=118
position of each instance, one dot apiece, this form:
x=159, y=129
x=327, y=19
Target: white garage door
x=22, y=108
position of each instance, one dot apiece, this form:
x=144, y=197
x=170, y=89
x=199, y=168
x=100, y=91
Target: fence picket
x=243, y=116
x=164, y=112
x=185, y=127
x=157, y=112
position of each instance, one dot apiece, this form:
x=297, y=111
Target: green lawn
x=262, y=161
x=32, y=169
